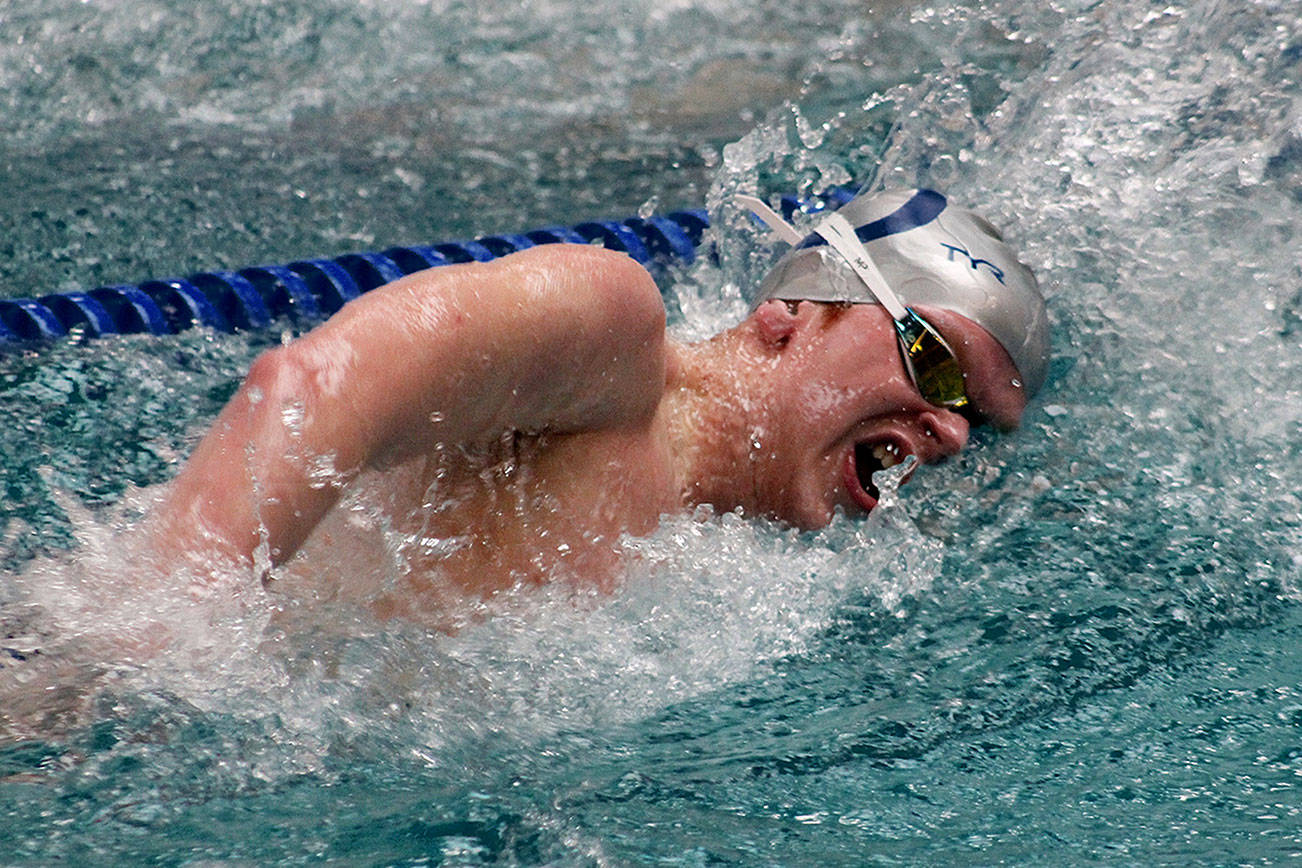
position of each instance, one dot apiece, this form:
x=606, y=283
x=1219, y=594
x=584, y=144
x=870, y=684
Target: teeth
x=888, y=454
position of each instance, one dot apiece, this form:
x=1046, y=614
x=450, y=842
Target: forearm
x=259, y=475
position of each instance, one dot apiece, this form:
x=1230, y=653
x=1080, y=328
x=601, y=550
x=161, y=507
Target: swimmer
x=512, y=420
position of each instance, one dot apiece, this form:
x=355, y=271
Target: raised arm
x=558, y=337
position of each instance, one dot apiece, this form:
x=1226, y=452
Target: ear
x=775, y=323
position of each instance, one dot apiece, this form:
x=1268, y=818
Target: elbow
x=310, y=370
x=274, y=377
x=278, y=395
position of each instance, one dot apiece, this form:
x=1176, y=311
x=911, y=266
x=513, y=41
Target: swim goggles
x=928, y=359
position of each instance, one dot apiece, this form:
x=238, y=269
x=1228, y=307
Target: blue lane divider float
x=314, y=288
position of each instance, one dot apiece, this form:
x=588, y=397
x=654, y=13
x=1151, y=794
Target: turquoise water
x=1077, y=643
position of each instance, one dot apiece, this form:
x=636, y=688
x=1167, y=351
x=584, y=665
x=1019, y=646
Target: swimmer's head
x=929, y=253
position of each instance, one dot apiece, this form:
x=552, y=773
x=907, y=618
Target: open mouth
x=868, y=457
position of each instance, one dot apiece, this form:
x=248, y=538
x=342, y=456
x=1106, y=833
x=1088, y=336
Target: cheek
x=823, y=401
x=823, y=408
x=1000, y=402
x=850, y=372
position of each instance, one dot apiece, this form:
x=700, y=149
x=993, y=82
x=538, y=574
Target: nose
x=948, y=429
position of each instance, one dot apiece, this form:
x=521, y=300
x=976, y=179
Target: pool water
x=1075, y=643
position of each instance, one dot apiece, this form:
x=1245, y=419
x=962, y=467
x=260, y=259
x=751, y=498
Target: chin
x=811, y=514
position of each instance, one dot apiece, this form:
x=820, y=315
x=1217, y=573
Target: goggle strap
x=840, y=237
x=781, y=228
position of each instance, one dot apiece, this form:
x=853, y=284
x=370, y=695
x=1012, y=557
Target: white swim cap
x=931, y=253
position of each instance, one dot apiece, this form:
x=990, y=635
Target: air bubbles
x=888, y=481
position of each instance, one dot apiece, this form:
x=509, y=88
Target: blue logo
x=995, y=270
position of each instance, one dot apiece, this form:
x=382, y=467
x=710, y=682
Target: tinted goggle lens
x=931, y=363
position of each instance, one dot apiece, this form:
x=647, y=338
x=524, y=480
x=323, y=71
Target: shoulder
x=605, y=283
x=577, y=328
x=571, y=287
x=598, y=264
x=550, y=292
x=595, y=319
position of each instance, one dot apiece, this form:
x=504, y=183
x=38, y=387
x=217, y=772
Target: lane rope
x=311, y=289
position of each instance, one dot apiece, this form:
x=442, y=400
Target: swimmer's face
x=846, y=407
